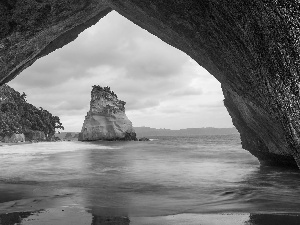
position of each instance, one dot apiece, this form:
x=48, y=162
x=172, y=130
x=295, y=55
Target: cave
x=251, y=48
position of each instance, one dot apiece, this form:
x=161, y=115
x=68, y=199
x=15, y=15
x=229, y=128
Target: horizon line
x=169, y=128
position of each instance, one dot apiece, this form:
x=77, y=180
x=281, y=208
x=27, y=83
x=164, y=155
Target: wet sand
x=65, y=209
x=39, y=211
x=75, y=216
x=57, y=186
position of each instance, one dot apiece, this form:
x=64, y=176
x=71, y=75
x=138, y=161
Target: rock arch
x=251, y=47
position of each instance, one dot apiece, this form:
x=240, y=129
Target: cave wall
x=251, y=47
x=30, y=29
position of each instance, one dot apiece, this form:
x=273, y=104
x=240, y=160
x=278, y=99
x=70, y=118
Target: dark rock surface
x=251, y=47
x=144, y=139
x=31, y=29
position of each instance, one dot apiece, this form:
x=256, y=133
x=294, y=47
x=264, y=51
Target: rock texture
x=251, y=47
x=35, y=136
x=106, y=119
x=30, y=29
x=14, y=138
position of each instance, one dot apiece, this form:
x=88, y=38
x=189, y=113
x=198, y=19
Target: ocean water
x=165, y=176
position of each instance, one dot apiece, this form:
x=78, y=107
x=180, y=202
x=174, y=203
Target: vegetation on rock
x=103, y=89
x=99, y=92
x=18, y=116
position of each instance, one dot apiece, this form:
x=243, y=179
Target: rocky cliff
x=106, y=119
x=251, y=47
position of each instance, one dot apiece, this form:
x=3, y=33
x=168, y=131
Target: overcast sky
x=163, y=87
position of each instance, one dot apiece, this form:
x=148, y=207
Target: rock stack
x=106, y=119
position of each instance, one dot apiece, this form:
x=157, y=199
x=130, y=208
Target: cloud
x=155, y=79
x=212, y=105
x=187, y=92
x=138, y=104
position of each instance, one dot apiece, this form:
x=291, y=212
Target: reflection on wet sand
x=109, y=220
x=14, y=218
x=77, y=217
x=266, y=219
x=219, y=219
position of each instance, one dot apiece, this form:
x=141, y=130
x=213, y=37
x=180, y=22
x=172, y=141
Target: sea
x=161, y=178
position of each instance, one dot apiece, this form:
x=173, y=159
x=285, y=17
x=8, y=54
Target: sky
x=163, y=87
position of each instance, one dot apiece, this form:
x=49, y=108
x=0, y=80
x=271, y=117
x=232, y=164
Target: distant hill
x=67, y=135
x=147, y=131
x=17, y=116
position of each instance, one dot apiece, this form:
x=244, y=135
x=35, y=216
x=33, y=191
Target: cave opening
x=163, y=87
x=249, y=48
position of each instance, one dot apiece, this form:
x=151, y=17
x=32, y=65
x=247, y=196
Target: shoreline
x=17, y=143
x=65, y=198
x=23, y=143
x=76, y=215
